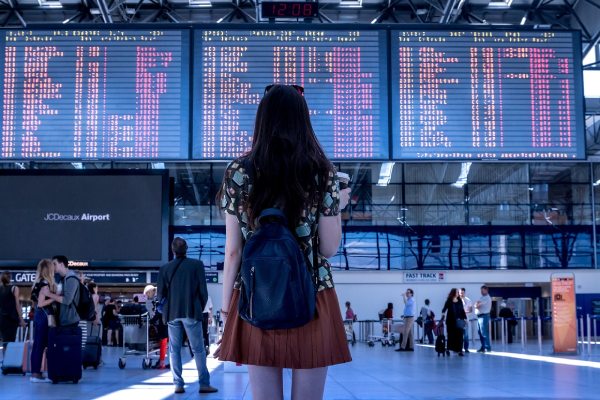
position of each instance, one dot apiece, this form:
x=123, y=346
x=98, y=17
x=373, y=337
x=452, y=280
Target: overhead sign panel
x=94, y=93
x=474, y=94
x=343, y=72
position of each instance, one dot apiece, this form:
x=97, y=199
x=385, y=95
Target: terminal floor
x=376, y=373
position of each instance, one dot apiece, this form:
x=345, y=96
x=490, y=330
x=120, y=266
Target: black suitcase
x=64, y=354
x=92, y=352
x=440, y=345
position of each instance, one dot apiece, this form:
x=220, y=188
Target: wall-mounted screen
x=460, y=94
x=343, y=72
x=104, y=218
x=94, y=93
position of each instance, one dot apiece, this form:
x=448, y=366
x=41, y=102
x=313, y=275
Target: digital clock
x=289, y=9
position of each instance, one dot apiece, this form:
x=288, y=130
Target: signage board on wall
x=117, y=277
x=23, y=277
x=424, y=277
x=564, y=317
x=26, y=278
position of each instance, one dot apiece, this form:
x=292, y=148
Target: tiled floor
x=376, y=374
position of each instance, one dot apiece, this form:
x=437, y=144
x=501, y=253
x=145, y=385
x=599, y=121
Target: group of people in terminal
x=462, y=318
x=284, y=179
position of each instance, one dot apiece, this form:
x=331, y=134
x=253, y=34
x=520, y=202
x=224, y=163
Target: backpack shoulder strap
x=174, y=272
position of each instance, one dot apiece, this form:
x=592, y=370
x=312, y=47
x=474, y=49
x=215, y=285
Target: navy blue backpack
x=277, y=289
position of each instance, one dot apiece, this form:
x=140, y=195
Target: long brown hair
x=286, y=157
x=5, y=278
x=45, y=271
x=452, y=294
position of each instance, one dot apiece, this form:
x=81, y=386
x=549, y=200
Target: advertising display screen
x=106, y=218
x=94, y=93
x=460, y=94
x=343, y=73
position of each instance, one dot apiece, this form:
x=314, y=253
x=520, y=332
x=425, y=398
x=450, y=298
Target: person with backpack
x=428, y=318
x=182, y=295
x=282, y=202
x=69, y=293
x=65, y=341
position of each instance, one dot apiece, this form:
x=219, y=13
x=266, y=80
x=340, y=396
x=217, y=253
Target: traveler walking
x=10, y=309
x=427, y=316
x=287, y=169
x=44, y=316
x=483, y=307
x=161, y=327
x=350, y=315
x=472, y=328
x=409, y=319
x=182, y=291
x=93, y=288
x=455, y=321
x=110, y=320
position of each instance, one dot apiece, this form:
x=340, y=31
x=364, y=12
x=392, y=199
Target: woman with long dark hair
x=10, y=309
x=455, y=314
x=286, y=168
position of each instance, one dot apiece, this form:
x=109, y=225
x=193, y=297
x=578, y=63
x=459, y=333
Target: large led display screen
x=502, y=94
x=343, y=72
x=94, y=93
x=105, y=218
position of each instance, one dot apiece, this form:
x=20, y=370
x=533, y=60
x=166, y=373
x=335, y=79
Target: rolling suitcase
x=92, y=352
x=15, y=358
x=64, y=354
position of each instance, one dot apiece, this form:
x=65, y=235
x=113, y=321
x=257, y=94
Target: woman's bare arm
x=233, y=257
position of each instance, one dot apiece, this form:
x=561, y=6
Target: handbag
x=165, y=298
x=461, y=324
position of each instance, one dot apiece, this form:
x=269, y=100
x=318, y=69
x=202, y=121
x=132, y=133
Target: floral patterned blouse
x=237, y=186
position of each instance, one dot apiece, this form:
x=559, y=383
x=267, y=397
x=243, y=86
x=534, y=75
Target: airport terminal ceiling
x=454, y=193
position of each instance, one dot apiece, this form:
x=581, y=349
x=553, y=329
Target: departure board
x=487, y=95
x=94, y=93
x=342, y=71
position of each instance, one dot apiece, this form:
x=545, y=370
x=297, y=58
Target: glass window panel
x=502, y=214
x=498, y=193
x=431, y=172
x=435, y=215
x=208, y=247
x=498, y=173
x=433, y=194
x=559, y=172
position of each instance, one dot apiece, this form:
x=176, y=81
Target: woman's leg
x=109, y=337
x=308, y=384
x=40, y=342
x=266, y=383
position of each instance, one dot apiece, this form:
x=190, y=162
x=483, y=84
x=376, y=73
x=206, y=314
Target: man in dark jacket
x=507, y=313
x=183, y=285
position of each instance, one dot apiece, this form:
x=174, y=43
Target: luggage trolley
x=137, y=331
x=389, y=333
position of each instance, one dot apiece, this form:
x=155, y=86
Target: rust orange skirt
x=320, y=343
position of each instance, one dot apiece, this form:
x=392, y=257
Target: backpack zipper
x=251, y=291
